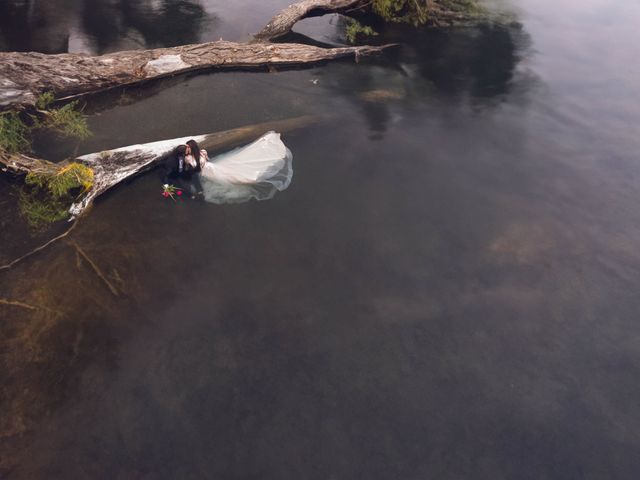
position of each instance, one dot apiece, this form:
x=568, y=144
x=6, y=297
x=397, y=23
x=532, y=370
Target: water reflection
x=100, y=26
x=27, y=25
x=478, y=62
x=476, y=66
x=146, y=24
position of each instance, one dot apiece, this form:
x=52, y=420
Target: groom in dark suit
x=178, y=171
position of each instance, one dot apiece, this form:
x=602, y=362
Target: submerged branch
x=40, y=248
x=94, y=267
x=28, y=306
x=16, y=303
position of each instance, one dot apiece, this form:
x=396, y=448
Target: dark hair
x=180, y=150
x=195, y=151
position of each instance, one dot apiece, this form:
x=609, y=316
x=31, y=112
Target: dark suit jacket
x=177, y=172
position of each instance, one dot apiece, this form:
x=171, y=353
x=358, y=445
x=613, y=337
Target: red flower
x=179, y=192
x=165, y=194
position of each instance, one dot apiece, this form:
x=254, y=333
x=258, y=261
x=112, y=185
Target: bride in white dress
x=257, y=170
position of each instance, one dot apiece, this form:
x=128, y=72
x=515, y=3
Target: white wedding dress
x=257, y=170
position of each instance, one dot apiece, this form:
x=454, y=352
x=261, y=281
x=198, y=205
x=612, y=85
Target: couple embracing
x=256, y=170
x=183, y=166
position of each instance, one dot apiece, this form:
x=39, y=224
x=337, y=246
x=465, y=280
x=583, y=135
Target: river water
x=448, y=289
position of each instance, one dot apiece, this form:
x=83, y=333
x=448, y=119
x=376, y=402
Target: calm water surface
x=448, y=289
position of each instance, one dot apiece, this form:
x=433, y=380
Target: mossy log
x=111, y=167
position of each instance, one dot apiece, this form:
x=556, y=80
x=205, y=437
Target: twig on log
x=95, y=268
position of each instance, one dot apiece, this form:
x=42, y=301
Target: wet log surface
x=24, y=76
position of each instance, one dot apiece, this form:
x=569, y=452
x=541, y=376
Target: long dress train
x=257, y=170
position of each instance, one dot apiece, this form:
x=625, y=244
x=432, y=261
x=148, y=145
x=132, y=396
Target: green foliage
x=44, y=100
x=408, y=11
x=355, y=30
x=14, y=134
x=40, y=210
x=69, y=121
x=419, y=12
x=74, y=176
x=46, y=198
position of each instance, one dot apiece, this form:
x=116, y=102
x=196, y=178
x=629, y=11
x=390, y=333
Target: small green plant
x=14, y=134
x=46, y=197
x=74, y=176
x=419, y=12
x=68, y=120
x=40, y=209
x=355, y=30
x=44, y=100
x=408, y=11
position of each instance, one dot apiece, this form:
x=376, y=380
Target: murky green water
x=448, y=289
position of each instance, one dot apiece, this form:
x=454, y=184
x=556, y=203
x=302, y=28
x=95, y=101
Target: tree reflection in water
x=475, y=66
x=99, y=26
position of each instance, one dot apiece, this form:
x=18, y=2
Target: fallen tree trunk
x=111, y=167
x=431, y=12
x=24, y=76
x=283, y=22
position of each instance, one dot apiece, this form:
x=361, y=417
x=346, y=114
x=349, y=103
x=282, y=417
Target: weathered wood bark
x=23, y=76
x=283, y=22
x=111, y=167
x=19, y=164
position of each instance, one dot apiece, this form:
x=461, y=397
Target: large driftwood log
x=111, y=167
x=24, y=76
x=283, y=22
